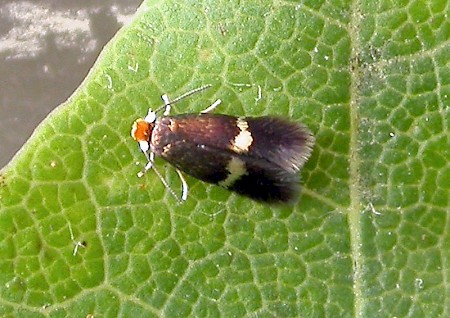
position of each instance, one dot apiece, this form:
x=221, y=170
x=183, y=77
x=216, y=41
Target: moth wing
x=281, y=142
x=247, y=175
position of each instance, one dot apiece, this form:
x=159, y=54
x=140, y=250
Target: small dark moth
x=258, y=157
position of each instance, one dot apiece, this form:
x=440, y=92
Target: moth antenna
x=191, y=92
x=149, y=165
x=168, y=102
x=164, y=182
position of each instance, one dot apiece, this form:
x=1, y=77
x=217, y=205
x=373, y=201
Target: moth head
x=142, y=128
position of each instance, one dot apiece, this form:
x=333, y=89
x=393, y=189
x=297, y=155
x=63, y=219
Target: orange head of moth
x=142, y=130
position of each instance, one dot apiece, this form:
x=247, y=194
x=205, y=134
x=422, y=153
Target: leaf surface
x=80, y=234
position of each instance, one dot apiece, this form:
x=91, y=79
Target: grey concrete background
x=46, y=49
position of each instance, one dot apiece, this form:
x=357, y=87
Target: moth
x=257, y=157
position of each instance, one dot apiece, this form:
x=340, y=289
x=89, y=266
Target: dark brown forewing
x=214, y=130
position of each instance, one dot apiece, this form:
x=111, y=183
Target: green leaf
x=80, y=234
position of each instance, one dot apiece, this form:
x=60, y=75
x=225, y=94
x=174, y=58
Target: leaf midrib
x=354, y=211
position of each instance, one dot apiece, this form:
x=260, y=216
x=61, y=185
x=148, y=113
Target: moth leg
x=184, y=186
x=167, y=186
x=149, y=165
x=167, y=104
x=212, y=107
